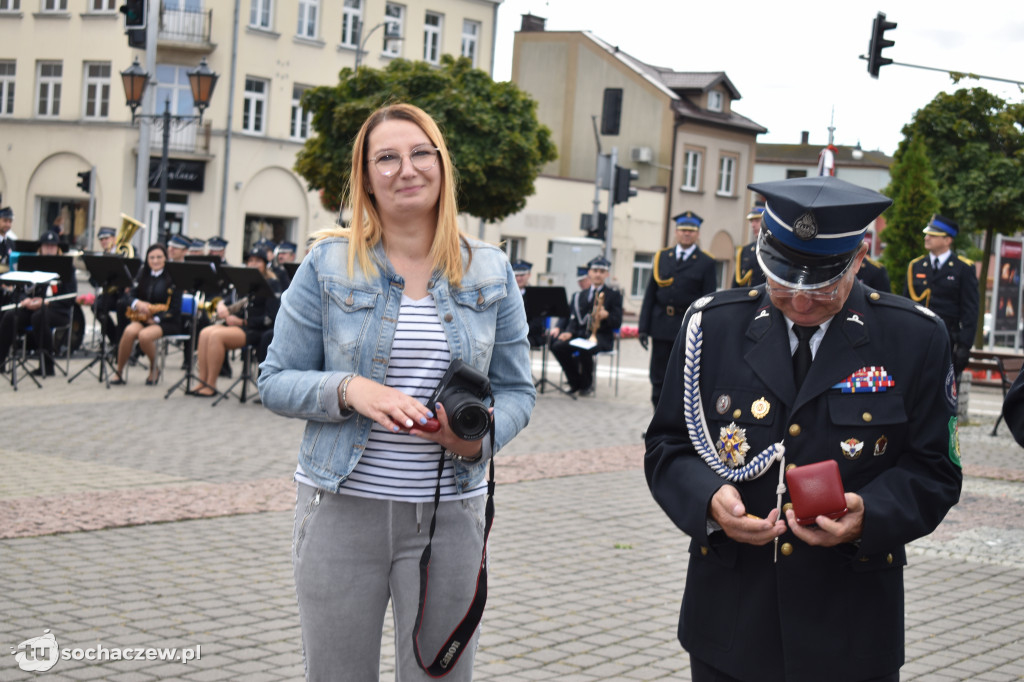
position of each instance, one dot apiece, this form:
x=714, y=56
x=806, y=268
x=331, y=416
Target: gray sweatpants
x=352, y=555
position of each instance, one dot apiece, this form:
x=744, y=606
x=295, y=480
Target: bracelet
x=343, y=391
x=461, y=459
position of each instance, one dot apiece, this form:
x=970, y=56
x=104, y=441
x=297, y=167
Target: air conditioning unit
x=641, y=154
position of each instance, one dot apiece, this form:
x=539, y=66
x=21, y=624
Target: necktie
x=935, y=263
x=802, y=357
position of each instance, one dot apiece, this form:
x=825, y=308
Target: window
x=432, y=37
x=470, y=39
x=302, y=120
x=259, y=13
x=97, y=90
x=351, y=23
x=726, y=175
x=254, y=108
x=715, y=101
x=10, y=5
x=691, y=170
x=55, y=6
x=515, y=247
x=172, y=88
x=643, y=266
x=308, y=11
x=396, y=26
x=102, y=5
x=790, y=173
x=48, y=96
x=7, y=88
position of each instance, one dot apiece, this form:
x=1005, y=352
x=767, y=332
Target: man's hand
x=728, y=511
x=829, y=532
x=642, y=338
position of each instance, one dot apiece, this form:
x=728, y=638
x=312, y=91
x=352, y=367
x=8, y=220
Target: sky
x=795, y=63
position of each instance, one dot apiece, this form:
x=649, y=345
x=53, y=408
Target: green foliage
x=915, y=196
x=497, y=145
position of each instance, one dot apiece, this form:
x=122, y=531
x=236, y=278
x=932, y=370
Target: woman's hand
x=142, y=307
x=470, y=449
x=222, y=311
x=389, y=407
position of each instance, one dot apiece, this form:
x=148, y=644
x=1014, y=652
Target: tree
x=915, y=197
x=975, y=143
x=497, y=145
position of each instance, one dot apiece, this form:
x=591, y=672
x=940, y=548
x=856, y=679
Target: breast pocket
x=349, y=316
x=868, y=428
x=477, y=306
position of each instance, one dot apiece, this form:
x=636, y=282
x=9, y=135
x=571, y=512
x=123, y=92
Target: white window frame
x=394, y=14
x=48, y=6
x=693, y=159
x=300, y=127
x=727, y=166
x=351, y=23
x=471, y=31
x=7, y=86
x=96, y=90
x=10, y=5
x=48, y=89
x=515, y=247
x=716, y=101
x=643, y=266
x=261, y=14
x=309, y=19
x=102, y=6
x=254, y=106
x=432, y=33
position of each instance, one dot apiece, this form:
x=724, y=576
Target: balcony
x=186, y=29
x=188, y=139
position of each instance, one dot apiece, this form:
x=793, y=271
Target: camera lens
x=467, y=415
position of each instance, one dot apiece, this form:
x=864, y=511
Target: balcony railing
x=185, y=26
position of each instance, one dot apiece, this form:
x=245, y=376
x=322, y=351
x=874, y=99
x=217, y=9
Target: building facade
x=63, y=111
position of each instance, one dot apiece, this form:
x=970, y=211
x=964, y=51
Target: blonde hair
x=365, y=230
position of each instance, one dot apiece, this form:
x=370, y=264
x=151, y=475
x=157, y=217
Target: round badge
x=806, y=227
x=760, y=408
x=723, y=404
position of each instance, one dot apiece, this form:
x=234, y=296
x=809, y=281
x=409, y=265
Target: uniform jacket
x=673, y=286
x=748, y=270
x=579, y=316
x=952, y=293
x=332, y=324
x=816, y=613
x=157, y=290
x=874, y=275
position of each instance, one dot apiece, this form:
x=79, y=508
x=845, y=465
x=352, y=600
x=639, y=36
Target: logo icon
x=37, y=654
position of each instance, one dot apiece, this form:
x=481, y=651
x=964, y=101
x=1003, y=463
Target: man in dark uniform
x=217, y=246
x=284, y=253
x=872, y=274
x=177, y=247
x=108, y=302
x=571, y=347
x=6, y=237
x=748, y=270
x=945, y=282
x=536, y=332
x=869, y=388
x=681, y=274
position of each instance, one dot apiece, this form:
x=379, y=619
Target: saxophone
x=154, y=309
x=595, y=322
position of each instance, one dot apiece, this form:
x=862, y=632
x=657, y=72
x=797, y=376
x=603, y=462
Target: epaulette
x=966, y=261
x=896, y=301
x=727, y=296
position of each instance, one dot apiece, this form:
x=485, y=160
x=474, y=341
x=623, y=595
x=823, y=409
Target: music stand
x=291, y=269
x=107, y=272
x=26, y=280
x=249, y=283
x=199, y=278
x=64, y=266
x=546, y=302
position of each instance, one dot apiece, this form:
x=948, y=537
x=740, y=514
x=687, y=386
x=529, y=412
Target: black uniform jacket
x=1013, y=409
x=817, y=613
x=157, y=290
x=579, y=316
x=952, y=293
x=748, y=270
x=875, y=276
x=673, y=286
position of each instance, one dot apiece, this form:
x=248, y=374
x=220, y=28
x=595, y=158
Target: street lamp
x=135, y=80
x=388, y=35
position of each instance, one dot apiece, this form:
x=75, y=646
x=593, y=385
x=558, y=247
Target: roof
x=807, y=154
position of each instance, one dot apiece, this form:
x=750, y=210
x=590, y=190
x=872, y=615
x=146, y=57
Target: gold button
x=790, y=466
x=888, y=558
x=752, y=293
x=736, y=414
x=875, y=296
x=448, y=317
x=703, y=551
x=794, y=430
x=789, y=505
x=866, y=416
x=786, y=549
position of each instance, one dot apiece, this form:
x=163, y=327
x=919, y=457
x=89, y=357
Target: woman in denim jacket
x=367, y=328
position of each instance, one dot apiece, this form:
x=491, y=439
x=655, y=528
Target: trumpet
x=595, y=321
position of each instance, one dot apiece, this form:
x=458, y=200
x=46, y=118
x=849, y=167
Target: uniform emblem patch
x=760, y=408
x=954, y=442
x=851, y=448
x=950, y=384
x=880, y=445
x=732, y=445
x=806, y=227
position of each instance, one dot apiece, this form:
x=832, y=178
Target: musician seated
x=595, y=314
x=154, y=311
x=35, y=312
x=245, y=323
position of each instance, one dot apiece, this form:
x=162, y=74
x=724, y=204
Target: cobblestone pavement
x=131, y=520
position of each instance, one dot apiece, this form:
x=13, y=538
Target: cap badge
x=851, y=448
x=732, y=446
x=759, y=408
x=806, y=227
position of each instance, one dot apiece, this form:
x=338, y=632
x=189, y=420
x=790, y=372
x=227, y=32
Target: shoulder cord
x=924, y=297
x=660, y=281
x=450, y=652
x=745, y=279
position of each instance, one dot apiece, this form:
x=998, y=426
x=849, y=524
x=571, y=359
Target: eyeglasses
x=390, y=162
x=813, y=294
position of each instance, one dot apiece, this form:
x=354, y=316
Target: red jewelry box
x=816, y=490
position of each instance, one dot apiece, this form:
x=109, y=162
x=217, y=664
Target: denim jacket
x=331, y=324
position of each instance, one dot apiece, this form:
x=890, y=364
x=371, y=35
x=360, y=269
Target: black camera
x=462, y=391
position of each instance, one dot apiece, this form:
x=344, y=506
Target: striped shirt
x=398, y=466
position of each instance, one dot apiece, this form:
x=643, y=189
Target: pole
x=609, y=229
x=166, y=122
x=596, y=212
x=227, y=132
x=92, y=208
x=148, y=108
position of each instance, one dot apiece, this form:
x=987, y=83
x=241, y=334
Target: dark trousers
x=702, y=672
x=41, y=321
x=661, y=351
x=578, y=364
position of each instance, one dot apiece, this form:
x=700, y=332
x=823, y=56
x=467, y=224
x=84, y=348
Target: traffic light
x=85, y=181
x=622, y=190
x=134, y=12
x=879, y=43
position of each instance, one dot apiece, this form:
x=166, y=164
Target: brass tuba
x=129, y=226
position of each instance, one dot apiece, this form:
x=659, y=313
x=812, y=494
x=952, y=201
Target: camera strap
x=449, y=653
